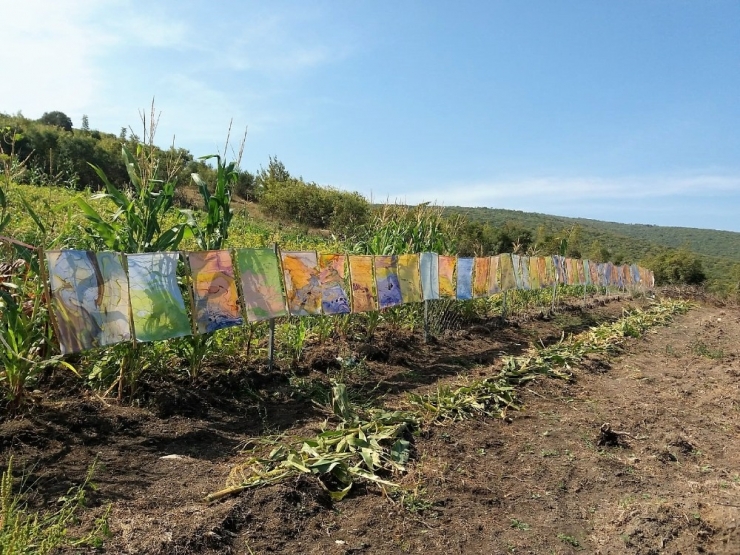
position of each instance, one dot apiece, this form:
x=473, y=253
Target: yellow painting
x=480, y=276
x=409, y=278
x=447, y=283
x=363, y=283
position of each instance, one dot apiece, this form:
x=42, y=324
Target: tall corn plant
x=398, y=229
x=12, y=167
x=24, y=331
x=136, y=224
x=210, y=235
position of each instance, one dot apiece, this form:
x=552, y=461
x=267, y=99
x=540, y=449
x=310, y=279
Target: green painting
x=157, y=304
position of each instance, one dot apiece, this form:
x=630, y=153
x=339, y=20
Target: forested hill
x=632, y=238
x=710, y=242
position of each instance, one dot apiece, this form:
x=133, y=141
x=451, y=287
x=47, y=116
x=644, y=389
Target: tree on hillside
x=598, y=252
x=513, y=237
x=85, y=123
x=677, y=267
x=59, y=119
x=275, y=173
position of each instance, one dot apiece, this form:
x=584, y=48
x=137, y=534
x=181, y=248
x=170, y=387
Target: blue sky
x=625, y=111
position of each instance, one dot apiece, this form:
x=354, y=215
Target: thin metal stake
x=554, y=296
x=503, y=310
x=426, y=320
x=271, y=344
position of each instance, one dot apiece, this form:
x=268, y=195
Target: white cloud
x=563, y=191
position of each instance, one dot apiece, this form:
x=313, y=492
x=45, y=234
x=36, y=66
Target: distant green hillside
x=725, y=244
x=719, y=251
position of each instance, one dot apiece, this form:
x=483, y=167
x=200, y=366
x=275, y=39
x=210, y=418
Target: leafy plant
x=24, y=330
x=136, y=224
x=23, y=532
x=364, y=446
x=294, y=337
x=13, y=167
x=569, y=540
x=485, y=397
x=397, y=229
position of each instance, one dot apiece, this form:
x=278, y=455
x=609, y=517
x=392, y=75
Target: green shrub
x=312, y=205
x=677, y=267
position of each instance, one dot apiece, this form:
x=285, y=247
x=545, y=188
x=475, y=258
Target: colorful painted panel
x=363, y=283
x=447, y=284
x=521, y=271
x=534, y=273
x=262, y=286
x=386, y=280
x=480, y=281
x=516, y=263
x=333, y=280
x=216, y=301
x=581, y=271
x=89, y=298
x=542, y=272
x=465, y=278
x=627, y=272
x=603, y=276
x=508, y=277
x=494, y=281
x=609, y=274
x=635, y=271
x=429, y=267
x=302, y=287
x=571, y=272
x=156, y=300
x=593, y=268
x=587, y=272
x=560, y=271
x=550, y=271
x=409, y=278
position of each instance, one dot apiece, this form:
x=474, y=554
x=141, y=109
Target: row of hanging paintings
x=105, y=298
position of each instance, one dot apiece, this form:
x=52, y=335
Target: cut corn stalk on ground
x=373, y=445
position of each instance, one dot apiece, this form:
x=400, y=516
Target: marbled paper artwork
x=429, y=268
x=333, y=280
x=508, y=276
x=386, y=281
x=89, y=299
x=363, y=283
x=465, y=278
x=447, y=284
x=409, y=278
x=480, y=276
x=494, y=280
x=216, y=300
x=262, y=286
x=157, y=305
x=302, y=286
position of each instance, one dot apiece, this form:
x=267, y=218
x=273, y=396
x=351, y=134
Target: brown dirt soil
x=663, y=476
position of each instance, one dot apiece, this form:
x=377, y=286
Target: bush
x=677, y=267
x=314, y=206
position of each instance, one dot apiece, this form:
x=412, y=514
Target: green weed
x=23, y=532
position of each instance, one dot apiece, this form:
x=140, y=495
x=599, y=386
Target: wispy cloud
x=500, y=192
x=281, y=43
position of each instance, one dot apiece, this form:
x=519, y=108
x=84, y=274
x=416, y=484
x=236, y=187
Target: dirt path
x=539, y=483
